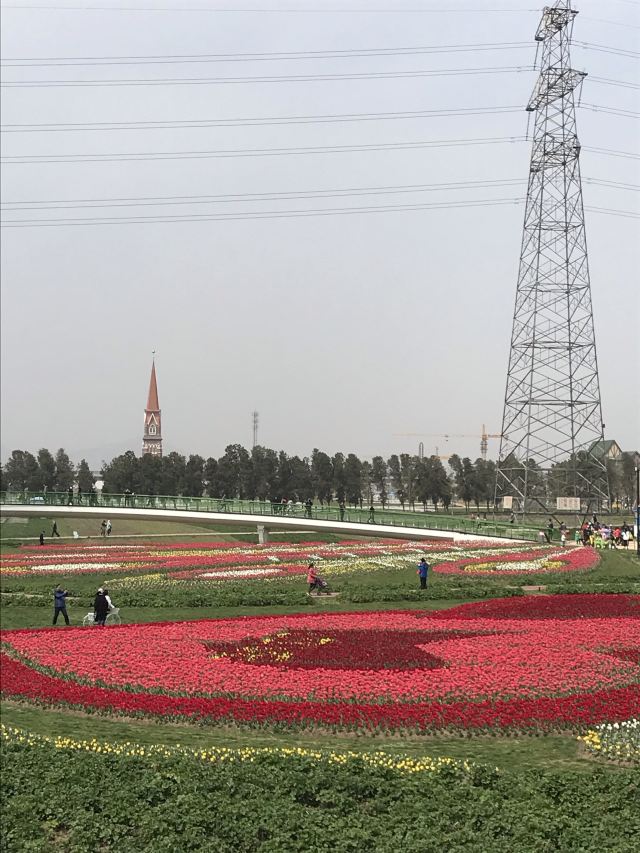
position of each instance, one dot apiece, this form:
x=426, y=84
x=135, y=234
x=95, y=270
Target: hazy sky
x=341, y=330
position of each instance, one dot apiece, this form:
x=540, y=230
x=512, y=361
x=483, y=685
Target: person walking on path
x=103, y=528
x=372, y=515
x=70, y=494
x=312, y=577
x=100, y=608
x=42, y=537
x=423, y=572
x=341, y=507
x=108, y=527
x=550, y=530
x=60, y=604
x=54, y=529
x=308, y=504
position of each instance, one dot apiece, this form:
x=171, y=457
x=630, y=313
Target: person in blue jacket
x=423, y=572
x=60, y=604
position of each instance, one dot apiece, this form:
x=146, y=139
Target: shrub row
x=54, y=799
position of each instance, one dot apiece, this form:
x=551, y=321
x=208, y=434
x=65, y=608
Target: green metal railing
x=267, y=509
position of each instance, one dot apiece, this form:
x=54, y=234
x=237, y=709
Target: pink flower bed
x=562, y=560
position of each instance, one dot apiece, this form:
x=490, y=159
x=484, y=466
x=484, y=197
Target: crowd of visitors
x=604, y=535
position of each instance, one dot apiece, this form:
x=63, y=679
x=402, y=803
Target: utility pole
x=552, y=419
x=638, y=511
x=254, y=416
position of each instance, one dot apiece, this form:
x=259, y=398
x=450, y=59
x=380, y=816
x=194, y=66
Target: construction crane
x=484, y=437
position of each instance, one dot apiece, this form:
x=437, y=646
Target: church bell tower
x=152, y=439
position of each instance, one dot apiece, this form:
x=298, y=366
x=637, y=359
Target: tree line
x=44, y=472
x=266, y=474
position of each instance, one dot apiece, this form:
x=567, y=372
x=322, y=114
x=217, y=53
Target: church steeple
x=152, y=439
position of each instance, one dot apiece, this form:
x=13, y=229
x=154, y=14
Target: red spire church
x=152, y=440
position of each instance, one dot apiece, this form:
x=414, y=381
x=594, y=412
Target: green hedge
x=58, y=800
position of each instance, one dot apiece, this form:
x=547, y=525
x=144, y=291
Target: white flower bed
x=71, y=567
x=241, y=573
x=615, y=741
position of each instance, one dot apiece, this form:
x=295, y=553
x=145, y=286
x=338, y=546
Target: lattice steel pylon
x=552, y=430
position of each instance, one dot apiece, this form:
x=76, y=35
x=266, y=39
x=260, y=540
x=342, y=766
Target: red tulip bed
x=548, y=662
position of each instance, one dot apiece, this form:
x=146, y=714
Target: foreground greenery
x=87, y=802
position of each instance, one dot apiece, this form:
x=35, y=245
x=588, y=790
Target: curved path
x=238, y=519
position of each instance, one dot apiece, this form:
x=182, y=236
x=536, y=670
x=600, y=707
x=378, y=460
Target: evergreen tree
x=379, y=473
x=397, y=482
x=409, y=472
x=353, y=479
x=65, y=474
x=338, y=480
x=211, y=477
x=233, y=470
x=46, y=469
x=193, y=483
x=366, y=477
x=322, y=473
x=285, y=476
x=122, y=473
x=22, y=471
x=172, y=480
x=264, y=464
x=302, y=481
x=86, y=479
x=484, y=482
x=150, y=474
x=464, y=478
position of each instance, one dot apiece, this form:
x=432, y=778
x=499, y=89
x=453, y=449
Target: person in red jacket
x=312, y=578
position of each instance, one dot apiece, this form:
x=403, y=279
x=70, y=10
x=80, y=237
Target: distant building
x=152, y=439
x=608, y=449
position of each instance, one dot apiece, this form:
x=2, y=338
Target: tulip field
x=497, y=709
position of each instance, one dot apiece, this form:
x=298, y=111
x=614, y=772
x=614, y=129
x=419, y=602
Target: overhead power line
x=626, y=84
x=257, y=152
x=260, y=11
x=275, y=152
x=58, y=204
x=276, y=56
x=169, y=59
x=285, y=214
x=296, y=78
x=291, y=78
x=605, y=48
x=264, y=121
x=340, y=192
x=619, y=185
x=235, y=198
x=610, y=110
x=611, y=153
x=625, y=24
x=263, y=214
x=259, y=121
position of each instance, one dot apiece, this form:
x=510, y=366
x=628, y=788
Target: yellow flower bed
x=220, y=754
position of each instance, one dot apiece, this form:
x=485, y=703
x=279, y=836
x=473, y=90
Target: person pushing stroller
x=315, y=581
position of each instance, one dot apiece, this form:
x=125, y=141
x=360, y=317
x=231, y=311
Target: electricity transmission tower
x=254, y=419
x=552, y=432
